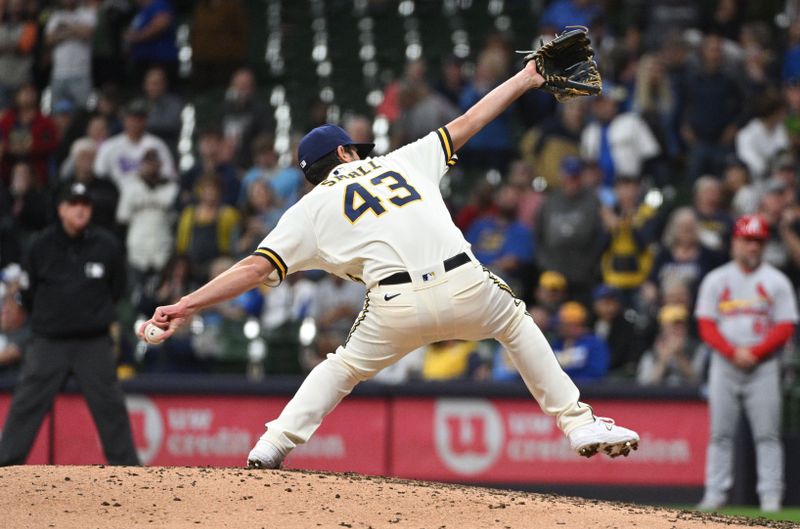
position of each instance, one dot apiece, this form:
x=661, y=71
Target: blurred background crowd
x=603, y=214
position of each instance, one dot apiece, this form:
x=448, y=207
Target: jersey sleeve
x=707, y=298
x=785, y=309
x=291, y=246
x=430, y=156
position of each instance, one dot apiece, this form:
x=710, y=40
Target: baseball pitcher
x=382, y=221
x=746, y=312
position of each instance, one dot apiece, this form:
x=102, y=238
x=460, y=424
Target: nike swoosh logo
x=387, y=297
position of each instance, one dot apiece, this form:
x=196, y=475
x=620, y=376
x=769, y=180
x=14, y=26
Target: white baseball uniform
x=370, y=219
x=745, y=306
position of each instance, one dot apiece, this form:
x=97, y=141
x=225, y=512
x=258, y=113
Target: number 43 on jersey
x=358, y=199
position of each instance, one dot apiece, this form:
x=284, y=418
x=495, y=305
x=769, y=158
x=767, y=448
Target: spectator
x=145, y=209
x=359, y=128
x=450, y=360
x=120, y=157
x=102, y=191
x=791, y=57
x=714, y=223
x=151, y=39
x=63, y=114
x=284, y=308
x=530, y=195
x=15, y=331
x=569, y=232
x=76, y=274
x=414, y=73
x=337, y=303
x=551, y=291
x=655, y=100
x=582, y=355
x=174, y=281
x=739, y=195
x=791, y=97
x=763, y=137
x=492, y=146
x=163, y=108
x=69, y=33
x=27, y=135
x=17, y=44
x=545, y=146
x=220, y=342
x=96, y=133
x=712, y=102
x=261, y=216
x=481, y=203
x=212, y=161
x=219, y=40
x=563, y=13
x=266, y=169
x=421, y=110
x=451, y=81
x=113, y=19
x=501, y=242
x=681, y=256
x=747, y=311
x=620, y=143
x=630, y=231
x=613, y=326
x=726, y=20
x=10, y=244
x=757, y=64
x=244, y=116
x=675, y=358
x=783, y=242
x=208, y=230
x=29, y=206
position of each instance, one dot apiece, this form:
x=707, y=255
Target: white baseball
x=152, y=334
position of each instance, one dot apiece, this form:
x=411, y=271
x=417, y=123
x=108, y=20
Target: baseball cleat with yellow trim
x=604, y=436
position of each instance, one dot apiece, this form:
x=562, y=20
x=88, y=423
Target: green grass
x=791, y=514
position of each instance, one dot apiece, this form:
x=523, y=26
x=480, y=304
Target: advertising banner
x=221, y=430
x=512, y=441
x=41, y=447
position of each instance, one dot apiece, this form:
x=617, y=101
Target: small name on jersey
x=362, y=170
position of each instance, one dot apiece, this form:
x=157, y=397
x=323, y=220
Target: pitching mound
x=175, y=498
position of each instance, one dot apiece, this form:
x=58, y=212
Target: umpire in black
x=76, y=273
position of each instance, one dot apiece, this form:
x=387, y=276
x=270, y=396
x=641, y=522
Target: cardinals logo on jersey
x=757, y=304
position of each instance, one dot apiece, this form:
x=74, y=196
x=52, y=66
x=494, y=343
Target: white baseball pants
x=468, y=303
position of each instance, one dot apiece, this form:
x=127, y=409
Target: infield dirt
x=72, y=497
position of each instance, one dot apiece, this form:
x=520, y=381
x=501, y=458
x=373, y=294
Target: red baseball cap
x=751, y=227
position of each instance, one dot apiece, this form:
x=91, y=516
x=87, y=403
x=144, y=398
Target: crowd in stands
x=603, y=214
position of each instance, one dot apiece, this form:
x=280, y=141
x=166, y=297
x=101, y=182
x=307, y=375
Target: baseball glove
x=567, y=65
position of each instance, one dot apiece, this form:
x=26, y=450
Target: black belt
x=404, y=277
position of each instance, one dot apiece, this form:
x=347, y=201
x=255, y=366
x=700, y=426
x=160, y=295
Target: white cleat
x=264, y=455
x=711, y=502
x=603, y=435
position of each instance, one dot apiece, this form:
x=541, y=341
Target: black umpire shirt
x=73, y=282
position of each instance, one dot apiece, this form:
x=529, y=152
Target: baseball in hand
x=152, y=334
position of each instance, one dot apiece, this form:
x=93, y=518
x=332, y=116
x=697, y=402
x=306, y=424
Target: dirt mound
x=175, y=498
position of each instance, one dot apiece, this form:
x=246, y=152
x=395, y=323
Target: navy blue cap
x=571, y=165
x=323, y=140
x=604, y=291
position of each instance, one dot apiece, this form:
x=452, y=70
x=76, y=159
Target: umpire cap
x=324, y=140
x=751, y=227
